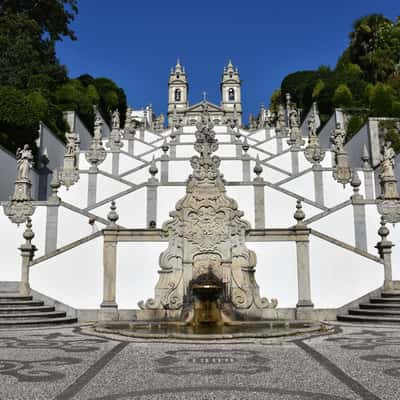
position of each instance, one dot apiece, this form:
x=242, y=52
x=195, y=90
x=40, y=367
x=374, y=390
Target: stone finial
x=28, y=232
x=299, y=215
x=383, y=230
x=238, y=134
x=153, y=168
x=245, y=145
x=258, y=169
x=55, y=185
x=355, y=184
x=173, y=134
x=165, y=146
x=113, y=216
x=365, y=158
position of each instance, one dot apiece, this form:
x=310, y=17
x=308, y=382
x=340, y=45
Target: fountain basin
x=228, y=330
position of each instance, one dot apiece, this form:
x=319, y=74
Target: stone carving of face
x=207, y=262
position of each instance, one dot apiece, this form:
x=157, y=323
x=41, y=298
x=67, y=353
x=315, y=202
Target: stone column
x=53, y=205
x=279, y=144
x=27, y=253
x=152, y=187
x=109, y=306
x=368, y=176
x=44, y=173
x=92, y=185
x=385, y=252
x=245, y=161
x=164, y=162
x=303, y=260
x=115, y=162
x=294, y=153
x=259, y=197
x=318, y=183
x=360, y=226
x=131, y=146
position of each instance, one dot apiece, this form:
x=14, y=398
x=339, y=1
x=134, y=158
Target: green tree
x=275, y=100
x=52, y=16
x=27, y=60
x=342, y=96
x=381, y=100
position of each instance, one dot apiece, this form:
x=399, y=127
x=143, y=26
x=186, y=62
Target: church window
x=231, y=94
x=230, y=75
x=177, y=94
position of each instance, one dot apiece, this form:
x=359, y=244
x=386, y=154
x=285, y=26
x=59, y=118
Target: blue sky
x=136, y=42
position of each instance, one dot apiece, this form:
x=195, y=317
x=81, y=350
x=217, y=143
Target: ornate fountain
x=206, y=286
x=207, y=263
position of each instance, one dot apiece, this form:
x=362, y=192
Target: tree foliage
x=366, y=78
x=34, y=86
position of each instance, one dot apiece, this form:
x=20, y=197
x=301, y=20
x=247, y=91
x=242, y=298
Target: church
x=179, y=108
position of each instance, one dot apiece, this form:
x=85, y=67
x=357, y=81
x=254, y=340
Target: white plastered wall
x=75, y=277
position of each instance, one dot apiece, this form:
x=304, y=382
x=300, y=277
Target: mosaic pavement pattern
x=356, y=362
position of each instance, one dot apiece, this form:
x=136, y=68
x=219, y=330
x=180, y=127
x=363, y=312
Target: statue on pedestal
x=20, y=206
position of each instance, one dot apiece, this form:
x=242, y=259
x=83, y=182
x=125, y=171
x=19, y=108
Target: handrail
x=346, y=246
x=67, y=247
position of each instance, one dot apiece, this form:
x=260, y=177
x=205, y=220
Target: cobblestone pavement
x=355, y=362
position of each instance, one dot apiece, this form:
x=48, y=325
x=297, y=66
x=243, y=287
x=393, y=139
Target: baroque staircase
x=17, y=310
x=382, y=309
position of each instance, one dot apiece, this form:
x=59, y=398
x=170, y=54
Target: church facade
x=181, y=111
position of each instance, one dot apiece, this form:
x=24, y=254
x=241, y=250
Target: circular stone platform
x=234, y=330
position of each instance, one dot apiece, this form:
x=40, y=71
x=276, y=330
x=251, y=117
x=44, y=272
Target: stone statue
x=115, y=119
x=24, y=163
x=293, y=118
x=387, y=158
x=312, y=129
x=281, y=121
x=338, y=138
x=342, y=172
x=388, y=202
x=70, y=147
x=98, y=123
x=20, y=206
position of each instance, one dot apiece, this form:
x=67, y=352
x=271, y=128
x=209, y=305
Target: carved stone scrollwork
x=20, y=206
x=206, y=231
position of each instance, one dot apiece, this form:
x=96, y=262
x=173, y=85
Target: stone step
x=365, y=318
x=23, y=310
x=383, y=306
x=14, y=297
x=37, y=322
x=391, y=293
x=375, y=312
x=24, y=303
x=51, y=314
x=385, y=299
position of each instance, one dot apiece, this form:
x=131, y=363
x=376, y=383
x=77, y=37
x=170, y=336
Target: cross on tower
x=204, y=96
